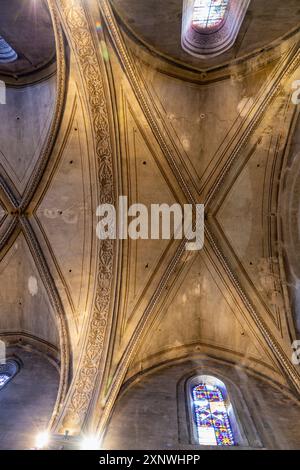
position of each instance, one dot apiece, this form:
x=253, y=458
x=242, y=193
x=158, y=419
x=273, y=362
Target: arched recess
x=27, y=46
x=153, y=408
x=27, y=400
x=37, y=283
x=206, y=34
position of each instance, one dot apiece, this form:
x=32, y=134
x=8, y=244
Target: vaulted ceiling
x=157, y=25
x=127, y=121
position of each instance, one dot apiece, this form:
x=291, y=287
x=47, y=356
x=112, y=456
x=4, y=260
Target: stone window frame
x=11, y=367
x=211, y=42
x=244, y=429
x=216, y=382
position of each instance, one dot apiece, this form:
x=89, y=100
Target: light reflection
x=209, y=13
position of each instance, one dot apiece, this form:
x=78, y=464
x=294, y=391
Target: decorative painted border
x=78, y=31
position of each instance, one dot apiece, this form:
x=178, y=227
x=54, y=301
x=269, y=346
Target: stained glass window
x=211, y=416
x=7, y=371
x=7, y=54
x=3, y=379
x=209, y=13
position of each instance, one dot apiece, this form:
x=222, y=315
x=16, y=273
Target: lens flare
x=42, y=440
x=104, y=51
x=90, y=443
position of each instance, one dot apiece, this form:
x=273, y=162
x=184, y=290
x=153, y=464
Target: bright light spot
x=33, y=286
x=42, y=440
x=90, y=443
x=3, y=379
x=104, y=51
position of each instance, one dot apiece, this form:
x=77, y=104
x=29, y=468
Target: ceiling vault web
x=282, y=71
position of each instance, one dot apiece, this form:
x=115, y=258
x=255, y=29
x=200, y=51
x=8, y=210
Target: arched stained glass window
x=7, y=372
x=7, y=54
x=209, y=13
x=211, y=413
x=210, y=27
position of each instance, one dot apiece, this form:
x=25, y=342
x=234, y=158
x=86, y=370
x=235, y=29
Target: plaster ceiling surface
x=25, y=122
x=26, y=25
x=158, y=24
x=25, y=306
x=197, y=313
x=26, y=127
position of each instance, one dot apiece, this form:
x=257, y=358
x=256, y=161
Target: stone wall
x=27, y=401
x=152, y=413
